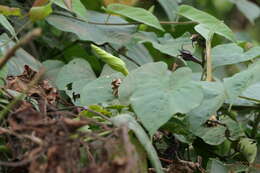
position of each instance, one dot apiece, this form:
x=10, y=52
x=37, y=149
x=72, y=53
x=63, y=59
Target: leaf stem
x=208, y=60
x=250, y=99
x=138, y=23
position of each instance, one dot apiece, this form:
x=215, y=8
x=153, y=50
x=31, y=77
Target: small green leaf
x=206, y=33
x=248, y=149
x=209, y=22
x=39, y=13
x=114, y=62
x=8, y=11
x=125, y=119
x=135, y=13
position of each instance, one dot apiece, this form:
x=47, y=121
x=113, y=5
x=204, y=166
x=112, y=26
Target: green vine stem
x=208, y=60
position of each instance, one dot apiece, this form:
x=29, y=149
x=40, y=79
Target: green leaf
x=135, y=13
x=226, y=54
x=99, y=90
x=209, y=22
x=73, y=77
x=212, y=135
x=215, y=166
x=206, y=33
x=16, y=64
x=6, y=24
x=77, y=7
x=99, y=34
x=125, y=119
x=253, y=91
x=166, y=44
x=156, y=94
x=214, y=97
x=39, y=13
x=52, y=68
x=248, y=148
x=114, y=62
x=238, y=83
x=170, y=7
x=249, y=9
x=8, y=11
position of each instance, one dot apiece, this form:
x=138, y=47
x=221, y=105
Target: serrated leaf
x=99, y=34
x=125, y=119
x=226, y=54
x=208, y=21
x=9, y=11
x=135, y=13
x=156, y=94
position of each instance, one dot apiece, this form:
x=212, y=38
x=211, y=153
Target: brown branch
x=11, y=52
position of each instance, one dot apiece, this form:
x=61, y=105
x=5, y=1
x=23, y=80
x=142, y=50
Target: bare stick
x=138, y=23
x=11, y=52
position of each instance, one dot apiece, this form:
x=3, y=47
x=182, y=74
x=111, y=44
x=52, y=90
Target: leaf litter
x=43, y=137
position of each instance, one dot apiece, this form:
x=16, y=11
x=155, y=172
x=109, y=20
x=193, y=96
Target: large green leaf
x=125, y=119
x=135, y=13
x=156, y=94
x=208, y=21
x=99, y=34
x=214, y=97
x=99, y=90
x=52, y=69
x=226, y=54
x=73, y=77
x=170, y=7
x=215, y=166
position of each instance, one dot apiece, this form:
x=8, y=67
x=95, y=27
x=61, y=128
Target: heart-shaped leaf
x=156, y=94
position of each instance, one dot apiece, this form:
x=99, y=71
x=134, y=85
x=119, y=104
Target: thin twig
x=97, y=113
x=127, y=57
x=11, y=52
x=32, y=138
